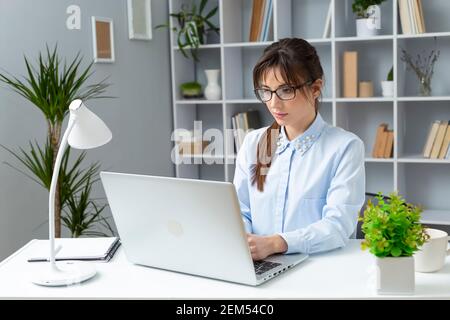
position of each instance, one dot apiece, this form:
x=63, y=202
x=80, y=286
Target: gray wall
x=140, y=117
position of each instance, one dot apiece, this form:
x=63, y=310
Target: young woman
x=300, y=181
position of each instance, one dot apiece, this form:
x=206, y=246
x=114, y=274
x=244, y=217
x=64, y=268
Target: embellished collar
x=304, y=141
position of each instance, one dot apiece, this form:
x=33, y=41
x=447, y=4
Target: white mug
x=431, y=256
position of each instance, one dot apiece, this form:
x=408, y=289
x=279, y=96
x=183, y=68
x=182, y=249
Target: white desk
x=343, y=273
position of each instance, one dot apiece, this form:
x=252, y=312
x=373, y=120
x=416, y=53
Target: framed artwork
x=139, y=19
x=103, y=39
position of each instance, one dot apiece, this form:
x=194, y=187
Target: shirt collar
x=304, y=141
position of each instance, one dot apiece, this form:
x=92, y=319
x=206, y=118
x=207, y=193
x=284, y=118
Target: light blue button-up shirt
x=313, y=191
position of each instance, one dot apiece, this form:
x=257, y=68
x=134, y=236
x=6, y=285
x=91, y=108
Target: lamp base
x=64, y=274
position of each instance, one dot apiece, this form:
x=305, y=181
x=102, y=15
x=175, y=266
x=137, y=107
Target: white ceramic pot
x=366, y=27
x=395, y=275
x=387, y=88
x=431, y=256
x=213, y=91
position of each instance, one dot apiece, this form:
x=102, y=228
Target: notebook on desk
x=87, y=249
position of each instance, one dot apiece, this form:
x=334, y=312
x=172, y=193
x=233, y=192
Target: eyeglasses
x=284, y=92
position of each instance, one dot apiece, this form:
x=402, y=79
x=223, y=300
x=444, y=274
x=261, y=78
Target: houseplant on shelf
x=392, y=232
x=51, y=87
x=368, y=17
x=387, y=86
x=192, y=27
x=423, y=68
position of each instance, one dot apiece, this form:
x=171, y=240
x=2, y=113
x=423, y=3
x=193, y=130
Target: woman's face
x=291, y=113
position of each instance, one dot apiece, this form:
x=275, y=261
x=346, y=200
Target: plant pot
x=213, y=91
x=395, y=275
x=387, y=88
x=366, y=27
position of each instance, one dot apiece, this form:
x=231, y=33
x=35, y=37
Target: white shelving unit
x=421, y=181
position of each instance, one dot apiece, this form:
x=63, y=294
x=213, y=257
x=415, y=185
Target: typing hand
x=263, y=246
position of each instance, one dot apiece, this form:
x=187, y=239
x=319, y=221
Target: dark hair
x=298, y=63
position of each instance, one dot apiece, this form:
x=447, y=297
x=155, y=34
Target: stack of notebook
x=87, y=249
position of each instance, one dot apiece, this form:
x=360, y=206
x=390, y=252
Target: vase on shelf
x=425, y=86
x=213, y=91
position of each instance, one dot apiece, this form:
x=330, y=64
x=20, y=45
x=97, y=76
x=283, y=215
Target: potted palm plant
x=387, y=86
x=51, y=87
x=192, y=27
x=366, y=22
x=392, y=233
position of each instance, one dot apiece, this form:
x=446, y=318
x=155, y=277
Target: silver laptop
x=189, y=226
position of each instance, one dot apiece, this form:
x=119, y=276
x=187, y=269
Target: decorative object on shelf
x=431, y=256
x=423, y=68
x=139, y=19
x=392, y=232
x=350, y=74
x=213, y=91
x=387, y=86
x=85, y=130
x=103, y=39
x=51, y=87
x=192, y=27
x=365, y=89
x=191, y=90
x=368, y=17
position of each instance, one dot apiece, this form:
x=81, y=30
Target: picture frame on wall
x=139, y=19
x=103, y=39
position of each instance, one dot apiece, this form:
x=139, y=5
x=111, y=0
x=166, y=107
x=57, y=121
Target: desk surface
x=346, y=273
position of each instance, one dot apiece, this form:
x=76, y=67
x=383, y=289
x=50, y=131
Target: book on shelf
x=432, y=132
x=446, y=143
x=350, y=74
x=437, y=145
x=267, y=21
x=256, y=19
x=379, y=137
x=242, y=123
x=411, y=16
x=388, y=150
x=327, y=28
x=88, y=249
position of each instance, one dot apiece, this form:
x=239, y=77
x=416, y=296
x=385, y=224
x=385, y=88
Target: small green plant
x=359, y=7
x=192, y=27
x=391, y=227
x=191, y=90
x=390, y=76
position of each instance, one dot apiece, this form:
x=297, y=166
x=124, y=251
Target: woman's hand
x=263, y=246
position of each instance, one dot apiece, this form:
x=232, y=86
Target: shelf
x=198, y=101
x=439, y=217
x=429, y=98
x=368, y=99
x=423, y=35
x=247, y=44
x=364, y=39
x=385, y=160
x=200, y=47
x=417, y=158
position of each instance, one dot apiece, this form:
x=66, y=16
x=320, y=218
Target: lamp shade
x=89, y=131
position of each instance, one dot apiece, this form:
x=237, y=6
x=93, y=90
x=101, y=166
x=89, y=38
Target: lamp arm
x=55, y=175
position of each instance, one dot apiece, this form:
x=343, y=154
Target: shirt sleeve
x=241, y=183
x=344, y=200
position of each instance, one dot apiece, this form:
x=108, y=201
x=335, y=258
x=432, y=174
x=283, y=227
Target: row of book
x=242, y=123
x=437, y=145
x=411, y=16
x=261, y=20
x=384, y=142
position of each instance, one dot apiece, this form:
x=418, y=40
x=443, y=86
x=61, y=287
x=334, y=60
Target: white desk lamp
x=84, y=131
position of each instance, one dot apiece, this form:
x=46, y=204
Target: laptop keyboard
x=263, y=266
